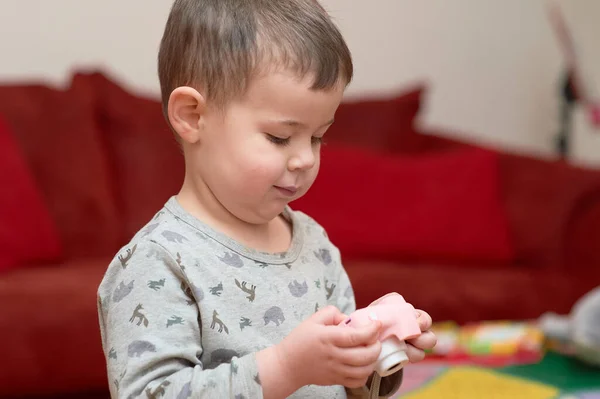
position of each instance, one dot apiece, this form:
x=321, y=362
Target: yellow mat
x=472, y=383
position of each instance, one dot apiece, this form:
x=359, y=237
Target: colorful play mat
x=498, y=360
x=556, y=376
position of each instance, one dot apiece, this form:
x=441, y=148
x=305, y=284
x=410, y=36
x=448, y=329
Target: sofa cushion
x=146, y=161
x=466, y=294
x=383, y=124
x=58, y=135
x=547, y=204
x=443, y=206
x=27, y=232
x=50, y=336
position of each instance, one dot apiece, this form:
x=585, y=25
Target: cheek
x=262, y=166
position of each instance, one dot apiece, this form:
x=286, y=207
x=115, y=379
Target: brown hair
x=218, y=45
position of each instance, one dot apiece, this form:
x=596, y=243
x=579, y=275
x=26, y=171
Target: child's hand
x=427, y=340
x=320, y=351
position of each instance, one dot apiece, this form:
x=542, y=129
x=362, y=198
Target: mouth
x=288, y=191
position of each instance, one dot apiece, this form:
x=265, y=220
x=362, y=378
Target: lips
x=288, y=191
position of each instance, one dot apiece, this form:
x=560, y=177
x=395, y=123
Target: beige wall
x=492, y=64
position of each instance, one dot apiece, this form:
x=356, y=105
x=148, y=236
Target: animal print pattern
x=179, y=286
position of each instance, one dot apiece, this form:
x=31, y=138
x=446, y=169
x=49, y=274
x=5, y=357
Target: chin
x=269, y=214
x=262, y=216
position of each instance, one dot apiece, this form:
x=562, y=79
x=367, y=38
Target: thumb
x=328, y=316
x=362, y=335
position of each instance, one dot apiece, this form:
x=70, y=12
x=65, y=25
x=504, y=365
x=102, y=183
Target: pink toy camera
x=399, y=323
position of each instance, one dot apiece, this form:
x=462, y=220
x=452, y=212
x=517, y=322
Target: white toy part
x=393, y=356
x=581, y=328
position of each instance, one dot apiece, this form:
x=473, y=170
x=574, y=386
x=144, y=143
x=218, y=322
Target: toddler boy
x=227, y=292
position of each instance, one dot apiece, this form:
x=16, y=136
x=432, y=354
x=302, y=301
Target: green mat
x=562, y=372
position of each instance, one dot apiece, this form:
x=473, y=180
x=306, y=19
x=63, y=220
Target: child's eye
x=277, y=140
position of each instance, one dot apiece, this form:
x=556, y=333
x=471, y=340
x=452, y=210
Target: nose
x=303, y=159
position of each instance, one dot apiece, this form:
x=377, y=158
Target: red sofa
x=463, y=232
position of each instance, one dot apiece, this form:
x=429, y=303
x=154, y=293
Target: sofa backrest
x=145, y=161
x=106, y=161
x=57, y=132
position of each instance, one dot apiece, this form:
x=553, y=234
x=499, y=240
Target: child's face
x=264, y=150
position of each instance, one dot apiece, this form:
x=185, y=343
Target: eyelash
x=278, y=140
x=284, y=142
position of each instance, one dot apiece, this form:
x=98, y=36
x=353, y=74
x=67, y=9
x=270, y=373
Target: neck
x=197, y=199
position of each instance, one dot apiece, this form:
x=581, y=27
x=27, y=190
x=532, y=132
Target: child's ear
x=186, y=110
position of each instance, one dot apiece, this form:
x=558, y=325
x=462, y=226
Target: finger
x=425, y=341
x=340, y=317
x=360, y=355
x=329, y=316
x=357, y=373
x=414, y=354
x=346, y=337
x=424, y=320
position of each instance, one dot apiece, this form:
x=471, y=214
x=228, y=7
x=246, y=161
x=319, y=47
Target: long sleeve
x=152, y=333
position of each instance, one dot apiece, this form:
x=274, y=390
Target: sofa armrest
x=582, y=234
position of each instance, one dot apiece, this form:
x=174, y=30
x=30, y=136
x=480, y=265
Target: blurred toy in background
x=578, y=333
x=505, y=343
x=492, y=343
